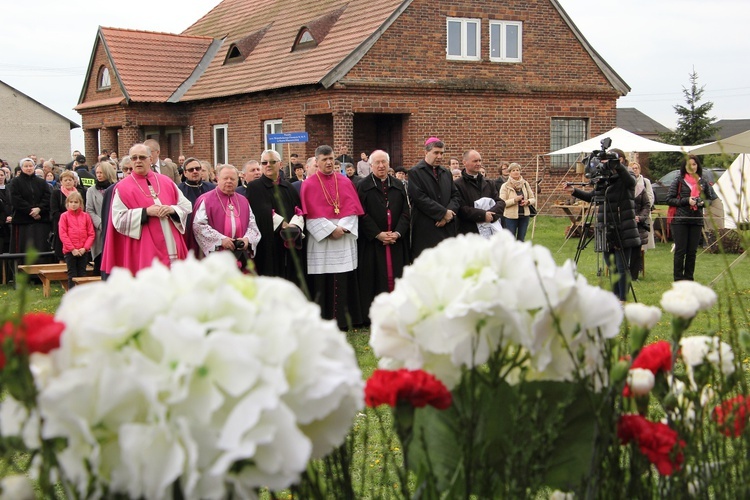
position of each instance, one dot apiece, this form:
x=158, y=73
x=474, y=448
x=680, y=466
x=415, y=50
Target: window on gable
x=104, y=81
x=505, y=41
x=463, y=39
x=305, y=40
x=566, y=132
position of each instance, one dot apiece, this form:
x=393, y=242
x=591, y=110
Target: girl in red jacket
x=77, y=235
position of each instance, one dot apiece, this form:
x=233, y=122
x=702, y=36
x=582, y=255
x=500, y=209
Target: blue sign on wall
x=287, y=137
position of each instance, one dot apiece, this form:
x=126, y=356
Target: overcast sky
x=652, y=44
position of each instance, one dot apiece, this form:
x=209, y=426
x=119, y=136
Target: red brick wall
x=92, y=94
x=414, y=47
x=503, y=110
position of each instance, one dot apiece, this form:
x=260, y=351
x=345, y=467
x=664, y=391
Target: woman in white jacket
x=518, y=198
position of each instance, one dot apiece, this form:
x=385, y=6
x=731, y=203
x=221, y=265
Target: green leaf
x=570, y=458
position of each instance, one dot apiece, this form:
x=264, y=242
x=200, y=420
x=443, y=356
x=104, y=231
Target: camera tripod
x=601, y=243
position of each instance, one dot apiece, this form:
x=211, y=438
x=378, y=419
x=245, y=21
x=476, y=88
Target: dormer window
x=305, y=40
x=313, y=33
x=240, y=50
x=233, y=55
x=104, y=82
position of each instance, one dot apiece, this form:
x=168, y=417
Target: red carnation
x=37, y=332
x=731, y=415
x=655, y=357
x=417, y=387
x=657, y=441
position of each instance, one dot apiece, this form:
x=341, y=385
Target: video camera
x=600, y=164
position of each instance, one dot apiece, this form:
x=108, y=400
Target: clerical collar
x=188, y=183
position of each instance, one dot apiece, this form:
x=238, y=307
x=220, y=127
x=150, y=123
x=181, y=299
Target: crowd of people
x=341, y=232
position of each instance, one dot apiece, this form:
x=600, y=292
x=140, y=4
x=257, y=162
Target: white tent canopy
x=621, y=139
x=733, y=189
x=739, y=143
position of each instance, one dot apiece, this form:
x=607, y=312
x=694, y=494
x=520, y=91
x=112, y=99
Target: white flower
x=680, y=303
x=642, y=315
x=15, y=420
x=201, y=375
x=697, y=349
x=16, y=487
x=700, y=348
x=640, y=381
x=468, y=297
x=706, y=297
x=559, y=495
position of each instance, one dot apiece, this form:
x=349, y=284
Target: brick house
x=511, y=79
x=29, y=127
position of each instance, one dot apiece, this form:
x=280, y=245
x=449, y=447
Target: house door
x=379, y=131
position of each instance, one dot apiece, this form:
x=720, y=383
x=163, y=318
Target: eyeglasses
x=266, y=162
x=126, y=169
x=141, y=157
x=195, y=169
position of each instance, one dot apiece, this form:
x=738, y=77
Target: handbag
x=532, y=211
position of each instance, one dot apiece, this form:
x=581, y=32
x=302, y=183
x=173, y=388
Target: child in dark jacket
x=76, y=231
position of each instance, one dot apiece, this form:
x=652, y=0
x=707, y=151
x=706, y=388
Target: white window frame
x=225, y=128
x=273, y=127
x=464, y=38
x=503, y=37
x=105, y=81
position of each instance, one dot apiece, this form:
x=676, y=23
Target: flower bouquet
x=510, y=376
x=189, y=382
x=522, y=344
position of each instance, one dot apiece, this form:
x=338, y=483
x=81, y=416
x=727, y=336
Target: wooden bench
x=82, y=280
x=49, y=274
x=15, y=258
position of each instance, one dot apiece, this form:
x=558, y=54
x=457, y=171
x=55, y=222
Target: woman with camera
x=223, y=220
x=688, y=193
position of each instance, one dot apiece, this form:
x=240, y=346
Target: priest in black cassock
x=383, y=230
x=277, y=208
x=192, y=188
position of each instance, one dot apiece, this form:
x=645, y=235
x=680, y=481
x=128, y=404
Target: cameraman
x=688, y=193
x=614, y=190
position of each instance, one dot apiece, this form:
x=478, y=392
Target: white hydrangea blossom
x=197, y=374
x=464, y=299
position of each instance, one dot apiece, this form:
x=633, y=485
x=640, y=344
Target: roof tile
x=151, y=66
x=270, y=64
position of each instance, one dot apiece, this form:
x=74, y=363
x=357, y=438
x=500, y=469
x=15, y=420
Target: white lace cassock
x=127, y=221
x=209, y=238
x=326, y=255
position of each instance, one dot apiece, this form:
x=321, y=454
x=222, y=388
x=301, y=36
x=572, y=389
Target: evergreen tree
x=694, y=126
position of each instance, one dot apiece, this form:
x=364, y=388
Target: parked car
x=661, y=187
